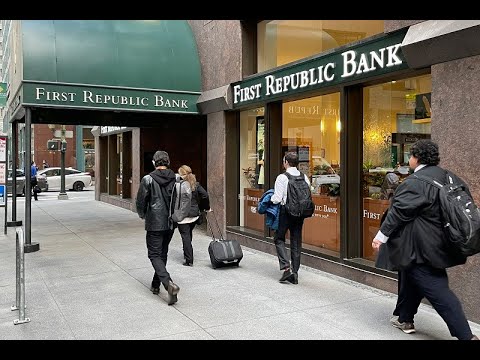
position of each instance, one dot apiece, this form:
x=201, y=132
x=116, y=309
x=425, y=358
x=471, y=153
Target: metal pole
x=14, y=170
x=6, y=207
x=62, y=195
x=20, y=301
x=29, y=247
x=6, y=188
x=14, y=221
x=62, y=175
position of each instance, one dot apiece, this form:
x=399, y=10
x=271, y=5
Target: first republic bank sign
x=378, y=56
x=108, y=98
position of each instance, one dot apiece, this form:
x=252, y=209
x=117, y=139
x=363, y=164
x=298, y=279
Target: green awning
x=130, y=65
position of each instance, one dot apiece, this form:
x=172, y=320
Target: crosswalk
x=45, y=196
x=52, y=196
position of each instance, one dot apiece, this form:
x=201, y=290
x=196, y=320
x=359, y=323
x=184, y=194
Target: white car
x=318, y=180
x=74, y=179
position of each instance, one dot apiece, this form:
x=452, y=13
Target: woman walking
x=200, y=201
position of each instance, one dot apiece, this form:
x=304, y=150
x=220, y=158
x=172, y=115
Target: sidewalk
x=91, y=279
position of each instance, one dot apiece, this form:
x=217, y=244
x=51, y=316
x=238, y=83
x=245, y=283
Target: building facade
x=350, y=97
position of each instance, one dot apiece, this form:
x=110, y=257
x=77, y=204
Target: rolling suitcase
x=222, y=252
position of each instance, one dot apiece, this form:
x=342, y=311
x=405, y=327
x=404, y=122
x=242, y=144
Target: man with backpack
x=153, y=204
x=417, y=243
x=292, y=192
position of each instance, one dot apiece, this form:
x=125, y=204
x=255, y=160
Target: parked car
x=74, y=179
x=325, y=180
x=323, y=173
x=41, y=180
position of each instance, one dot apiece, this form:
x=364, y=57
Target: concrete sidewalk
x=91, y=279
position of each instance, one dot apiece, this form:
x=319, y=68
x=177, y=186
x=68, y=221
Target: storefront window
x=252, y=168
x=283, y=41
x=395, y=115
x=311, y=128
x=89, y=150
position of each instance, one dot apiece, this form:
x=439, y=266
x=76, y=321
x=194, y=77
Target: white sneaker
x=406, y=327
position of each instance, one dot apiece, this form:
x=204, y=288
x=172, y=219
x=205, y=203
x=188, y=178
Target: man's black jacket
x=153, y=199
x=414, y=227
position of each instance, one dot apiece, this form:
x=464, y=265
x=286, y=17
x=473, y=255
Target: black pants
x=33, y=182
x=425, y=281
x=294, y=225
x=157, y=246
x=401, y=294
x=186, y=231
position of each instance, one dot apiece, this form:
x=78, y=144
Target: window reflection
x=311, y=128
x=252, y=168
x=395, y=115
x=283, y=41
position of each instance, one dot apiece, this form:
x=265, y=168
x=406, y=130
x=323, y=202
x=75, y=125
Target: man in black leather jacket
x=417, y=246
x=154, y=205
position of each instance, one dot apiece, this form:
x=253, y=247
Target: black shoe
x=186, y=263
x=155, y=290
x=293, y=279
x=173, y=290
x=286, y=275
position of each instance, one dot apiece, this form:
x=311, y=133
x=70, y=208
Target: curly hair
x=426, y=151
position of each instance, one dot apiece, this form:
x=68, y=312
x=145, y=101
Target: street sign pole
x=14, y=221
x=3, y=177
x=29, y=245
x=63, y=195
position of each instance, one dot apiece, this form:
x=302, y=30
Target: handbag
x=37, y=189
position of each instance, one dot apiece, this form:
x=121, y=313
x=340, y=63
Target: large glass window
x=283, y=41
x=311, y=128
x=395, y=115
x=252, y=168
x=89, y=150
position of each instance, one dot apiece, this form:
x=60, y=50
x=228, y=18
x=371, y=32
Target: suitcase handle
x=220, y=238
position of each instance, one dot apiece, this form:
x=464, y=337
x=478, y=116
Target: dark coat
x=153, y=199
x=414, y=226
x=200, y=201
x=382, y=260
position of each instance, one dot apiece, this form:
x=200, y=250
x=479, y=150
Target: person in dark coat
x=382, y=262
x=154, y=206
x=414, y=238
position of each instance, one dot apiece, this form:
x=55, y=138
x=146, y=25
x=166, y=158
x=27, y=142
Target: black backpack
x=299, y=197
x=460, y=215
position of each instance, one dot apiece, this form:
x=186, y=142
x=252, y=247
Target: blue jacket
x=265, y=206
